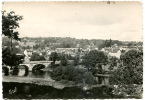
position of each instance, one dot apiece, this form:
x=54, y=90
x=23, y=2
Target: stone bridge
x=31, y=64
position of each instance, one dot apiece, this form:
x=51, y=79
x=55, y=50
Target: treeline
x=67, y=42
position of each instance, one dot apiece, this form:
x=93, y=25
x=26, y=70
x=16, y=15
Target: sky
x=82, y=20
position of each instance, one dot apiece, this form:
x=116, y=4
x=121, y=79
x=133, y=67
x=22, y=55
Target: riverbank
x=15, y=90
x=38, y=81
x=49, y=89
x=33, y=91
x=46, y=82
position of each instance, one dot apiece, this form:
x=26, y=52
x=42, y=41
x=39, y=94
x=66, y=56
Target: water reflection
x=15, y=71
x=19, y=71
x=40, y=74
x=23, y=72
x=38, y=67
x=103, y=80
x=5, y=71
x=37, y=74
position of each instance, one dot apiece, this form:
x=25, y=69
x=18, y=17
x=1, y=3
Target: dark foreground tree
x=132, y=70
x=10, y=24
x=10, y=58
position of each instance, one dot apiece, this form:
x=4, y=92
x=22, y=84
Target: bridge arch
x=23, y=66
x=32, y=64
x=26, y=69
x=38, y=66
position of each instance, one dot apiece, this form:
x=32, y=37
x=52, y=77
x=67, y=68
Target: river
x=22, y=72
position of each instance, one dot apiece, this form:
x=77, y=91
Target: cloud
x=94, y=20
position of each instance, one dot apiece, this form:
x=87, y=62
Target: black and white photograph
x=72, y=50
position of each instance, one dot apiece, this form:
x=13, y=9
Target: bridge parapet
x=31, y=64
x=40, y=61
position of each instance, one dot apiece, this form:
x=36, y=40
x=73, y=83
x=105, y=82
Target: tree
x=36, y=46
x=132, y=58
x=37, y=57
x=85, y=79
x=77, y=57
x=27, y=47
x=8, y=43
x=76, y=61
x=9, y=24
x=108, y=43
x=10, y=58
x=94, y=58
x=71, y=73
x=113, y=62
x=131, y=72
x=42, y=46
x=63, y=60
x=53, y=57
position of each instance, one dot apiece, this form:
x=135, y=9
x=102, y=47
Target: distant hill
x=66, y=42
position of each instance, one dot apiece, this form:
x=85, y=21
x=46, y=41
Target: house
x=81, y=67
x=43, y=52
x=38, y=51
x=29, y=52
x=60, y=50
x=134, y=48
x=115, y=51
x=26, y=60
x=86, y=48
x=17, y=46
x=69, y=51
x=48, y=52
x=70, y=62
x=46, y=48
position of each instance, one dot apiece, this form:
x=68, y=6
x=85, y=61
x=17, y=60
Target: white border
x=143, y=2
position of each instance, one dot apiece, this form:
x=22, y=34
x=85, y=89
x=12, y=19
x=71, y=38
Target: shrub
x=71, y=73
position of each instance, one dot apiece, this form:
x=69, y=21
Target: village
x=28, y=49
x=112, y=51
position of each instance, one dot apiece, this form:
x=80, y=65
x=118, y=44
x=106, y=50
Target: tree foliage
x=37, y=57
x=63, y=60
x=94, y=57
x=132, y=58
x=71, y=73
x=113, y=62
x=8, y=43
x=53, y=57
x=9, y=24
x=132, y=70
x=10, y=58
x=86, y=78
x=109, y=43
x=35, y=47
